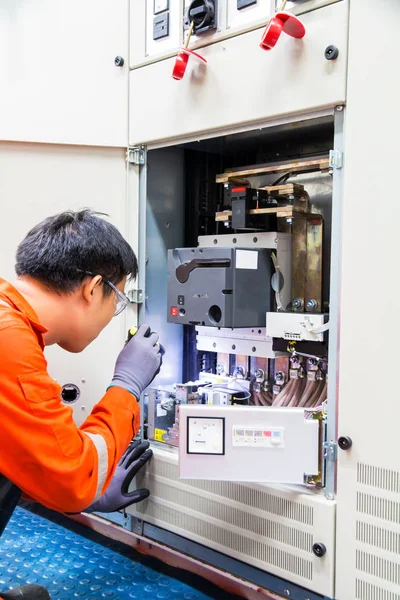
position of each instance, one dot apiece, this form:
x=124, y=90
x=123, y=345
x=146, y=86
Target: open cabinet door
x=247, y=443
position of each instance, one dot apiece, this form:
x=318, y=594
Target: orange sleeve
x=41, y=449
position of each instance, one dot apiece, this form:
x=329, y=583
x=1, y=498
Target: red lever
x=282, y=21
x=182, y=60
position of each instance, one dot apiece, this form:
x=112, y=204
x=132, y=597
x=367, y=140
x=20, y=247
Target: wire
x=283, y=178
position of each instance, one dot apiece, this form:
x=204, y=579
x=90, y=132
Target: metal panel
x=294, y=77
x=241, y=341
x=239, y=18
x=165, y=213
x=271, y=240
x=368, y=565
x=265, y=580
x=271, y=528
x=40, y=180
x=58, y=78
x=246, y=443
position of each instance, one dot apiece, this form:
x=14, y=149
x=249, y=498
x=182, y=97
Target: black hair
x=61, y=250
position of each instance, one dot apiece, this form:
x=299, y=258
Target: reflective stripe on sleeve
x=102, y=455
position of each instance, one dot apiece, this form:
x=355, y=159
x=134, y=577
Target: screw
x=233, y=347
x=234, y=240
x=330, y=496
x=339, y=108
x=119, y=61
x=286, y=592
x=167, y=225
x=297, y=303
x=214, y=345
x=83, y=380
x=331, y=52
x=312, y=304
x=255, y=240
x=215, y=241
x=253, y=349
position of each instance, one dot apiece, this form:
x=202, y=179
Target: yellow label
x=159, y=435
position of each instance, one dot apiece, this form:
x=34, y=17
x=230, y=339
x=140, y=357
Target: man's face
x=92, y=311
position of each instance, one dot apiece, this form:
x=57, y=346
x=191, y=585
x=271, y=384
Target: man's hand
x=139, y=362
x=117, y=496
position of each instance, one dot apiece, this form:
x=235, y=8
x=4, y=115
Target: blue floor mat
x=71, y=565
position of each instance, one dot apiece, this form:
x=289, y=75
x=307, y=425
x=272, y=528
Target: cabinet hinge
x=335, y=159
x=135, y=155
x=330, y=451
x=135, y=296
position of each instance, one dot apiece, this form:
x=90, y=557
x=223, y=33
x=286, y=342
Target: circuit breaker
x=219, y=287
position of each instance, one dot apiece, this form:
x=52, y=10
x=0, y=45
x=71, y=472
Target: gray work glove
x=117, y=496
x=139, y=362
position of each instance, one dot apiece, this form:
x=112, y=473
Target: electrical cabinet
x=240, y=117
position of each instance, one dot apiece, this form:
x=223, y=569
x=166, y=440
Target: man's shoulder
x=11, y=317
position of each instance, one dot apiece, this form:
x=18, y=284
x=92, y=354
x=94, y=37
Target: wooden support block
x=290, y=189
x=300, y=166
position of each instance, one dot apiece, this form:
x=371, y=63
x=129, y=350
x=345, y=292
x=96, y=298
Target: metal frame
x=334, y=303
x=174, y=541
x=236, y=341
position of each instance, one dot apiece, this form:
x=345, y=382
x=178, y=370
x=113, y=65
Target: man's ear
x=89, y=286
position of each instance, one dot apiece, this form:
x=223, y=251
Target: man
x=72, y=269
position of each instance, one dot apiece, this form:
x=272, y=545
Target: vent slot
x=378, y=567
x=251, y=497
x=235, y=542
x=381, y=538
x=367, y=591
x=383, y=479
x=381, y=508
x=238, y=518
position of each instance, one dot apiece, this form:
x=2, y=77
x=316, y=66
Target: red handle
x=182, y=60
x=282, y=21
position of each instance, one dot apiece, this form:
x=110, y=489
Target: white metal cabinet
x=242, y=83
x=368, y=525
x=58, y=80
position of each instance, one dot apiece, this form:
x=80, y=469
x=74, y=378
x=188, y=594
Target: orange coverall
x=42, y=451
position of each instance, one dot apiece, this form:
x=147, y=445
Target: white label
x=205, y=436
x=160, y=5
x=161, y=412
x=246, y=259
x=258, y=437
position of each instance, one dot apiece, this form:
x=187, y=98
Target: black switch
x=240, y=198
x=181, y=300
